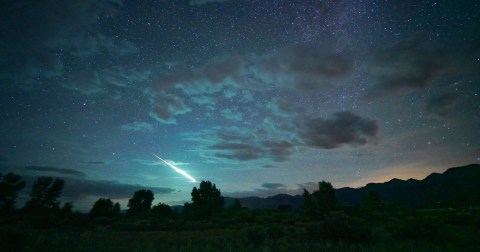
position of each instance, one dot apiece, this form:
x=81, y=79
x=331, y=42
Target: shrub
x=340, y=227
x=11, y=240
x=275, y=231
x=415, y=228
x=255, y=235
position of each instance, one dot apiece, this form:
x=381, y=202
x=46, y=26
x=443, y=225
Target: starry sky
x=259, y=97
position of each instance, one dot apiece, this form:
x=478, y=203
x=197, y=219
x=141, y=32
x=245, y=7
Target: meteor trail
x=186, y=175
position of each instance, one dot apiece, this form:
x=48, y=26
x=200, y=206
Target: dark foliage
x=44, y=195
x=162, y=210
x=10, y=185
x=104, y=207
x=320, y=202
x=206, y=200
x=141, y=202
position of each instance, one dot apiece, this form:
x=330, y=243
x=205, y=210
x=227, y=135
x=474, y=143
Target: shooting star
x=186, y=175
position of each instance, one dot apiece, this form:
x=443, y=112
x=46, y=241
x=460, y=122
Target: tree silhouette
x=162, y=210
x=320, y=202
x=10, y=185
x=44, y=195
x=104, y=207
x=308, y=204
x=140, y=202
x=207, y=199
x=325, y=197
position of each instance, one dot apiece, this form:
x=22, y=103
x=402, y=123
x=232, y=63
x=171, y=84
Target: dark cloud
x=273, y=186
x=441, y=105
x=408, y=65
x=77, y=188
x=42, y=34
x=238, y=151
x=344, y=128
x=310, y=60
x=278, y=151
x=62, y=171
x=202, y=2
x=307, y=67
x=3, y=158
x=94, y=162
x=167, y=106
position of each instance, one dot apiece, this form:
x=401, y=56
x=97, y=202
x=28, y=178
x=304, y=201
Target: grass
x=453, y=230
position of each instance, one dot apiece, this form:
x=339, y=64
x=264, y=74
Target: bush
x=254, y=235
x=415, y=228
x=12, y=240
x=275, y=231
x=340, y=227
x=244, y=215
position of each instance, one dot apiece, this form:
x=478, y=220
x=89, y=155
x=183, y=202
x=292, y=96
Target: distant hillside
x=456, y=187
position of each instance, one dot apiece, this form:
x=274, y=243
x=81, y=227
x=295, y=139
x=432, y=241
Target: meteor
x=186, y=175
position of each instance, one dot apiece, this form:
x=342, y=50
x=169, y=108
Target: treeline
x=46, y=191
x=321, y=218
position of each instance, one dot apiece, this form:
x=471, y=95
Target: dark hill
x=456, y=187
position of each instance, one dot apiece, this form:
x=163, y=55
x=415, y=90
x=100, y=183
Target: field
x=348, y=229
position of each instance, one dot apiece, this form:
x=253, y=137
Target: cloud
x=238, y=151
x=42, y=34
x=233, y=116
x=137, y=126
x=273, y=186
x=209, y=76
x=282, y=107
x=278, y=151
x=78, y=188
x=345, y=128
x=3, y=158
x=167, y=106
x=93, y=82
x=409, y=65
x=309, y=60
x=202, y=2
x=305, y=67
x=441, y=105
x=93, y=162
x=62, y=171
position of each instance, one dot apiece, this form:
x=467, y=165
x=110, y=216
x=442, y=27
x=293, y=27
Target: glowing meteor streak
x=186, y=175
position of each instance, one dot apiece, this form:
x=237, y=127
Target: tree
x=206, y=200
x=308, y=204
x=162, y=210
x=320, y=202
x=10, y=185
x=325, y=197
x=104, y=207
x=140, y=202
x=44, y=195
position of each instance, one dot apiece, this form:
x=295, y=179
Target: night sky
x=259, y=97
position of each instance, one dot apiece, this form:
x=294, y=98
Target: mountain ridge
x=456, y=187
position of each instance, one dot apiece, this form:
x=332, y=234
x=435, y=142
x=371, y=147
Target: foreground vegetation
x=205, y=225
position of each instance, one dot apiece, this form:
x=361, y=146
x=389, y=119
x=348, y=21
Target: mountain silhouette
x=456, y=187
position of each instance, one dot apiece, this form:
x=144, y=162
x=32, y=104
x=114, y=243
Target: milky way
x=259, y=97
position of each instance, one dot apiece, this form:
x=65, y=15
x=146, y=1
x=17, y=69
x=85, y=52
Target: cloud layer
x=345, y=128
